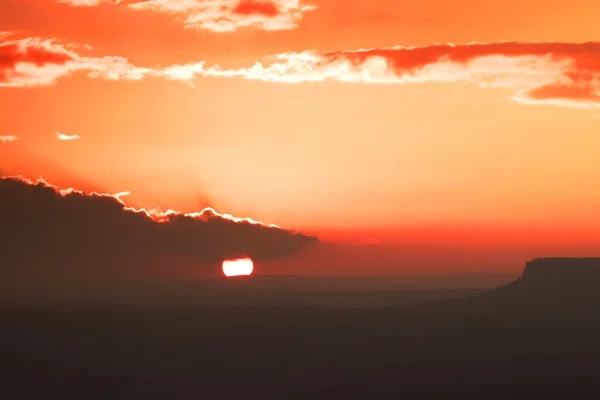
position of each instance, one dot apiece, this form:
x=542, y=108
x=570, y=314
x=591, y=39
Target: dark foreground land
x=538, y=337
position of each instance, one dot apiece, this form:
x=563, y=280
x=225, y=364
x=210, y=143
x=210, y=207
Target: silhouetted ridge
x=562, y=271
x=548, y=284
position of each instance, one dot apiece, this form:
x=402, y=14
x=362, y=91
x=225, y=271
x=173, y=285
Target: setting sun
x=416, y=181
x=238, y=267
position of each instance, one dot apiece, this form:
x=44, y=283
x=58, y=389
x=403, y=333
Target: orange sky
x=486, y=145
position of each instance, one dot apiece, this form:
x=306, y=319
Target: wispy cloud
x=563, y=74
x=220, y=15
x=8, y=138
x=553, y=73
x=39, y=61
x=67, y=138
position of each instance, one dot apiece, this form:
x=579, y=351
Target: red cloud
x=554, y=72
x=31, y=52
x=40, y=61
x=28, y=51
x=255, y=7
x=220, y=15
x=563, y=74
x=583, y=95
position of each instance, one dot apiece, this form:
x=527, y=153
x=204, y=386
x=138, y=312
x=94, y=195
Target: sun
x=238, y=267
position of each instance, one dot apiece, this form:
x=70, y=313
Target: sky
x=430, y=135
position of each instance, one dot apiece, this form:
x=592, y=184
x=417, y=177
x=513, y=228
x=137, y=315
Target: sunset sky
x=399, y=126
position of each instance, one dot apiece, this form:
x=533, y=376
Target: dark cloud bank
x=50, y=234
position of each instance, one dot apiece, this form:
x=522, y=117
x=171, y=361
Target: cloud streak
x=551, y=73
x=565, y=74
x=69, y=233
x=220, y=15
x=38, y=61
x=67, y=138
x=8, y=138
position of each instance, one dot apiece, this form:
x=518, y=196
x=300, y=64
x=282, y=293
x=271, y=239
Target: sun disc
x=238, y=267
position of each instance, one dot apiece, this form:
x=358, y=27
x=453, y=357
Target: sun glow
x=238, y=267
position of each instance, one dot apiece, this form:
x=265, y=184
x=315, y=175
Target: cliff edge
x=549, y=285
x=556, y=271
